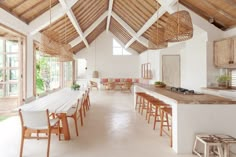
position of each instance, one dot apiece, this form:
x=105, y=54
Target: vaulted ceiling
x=80, y=22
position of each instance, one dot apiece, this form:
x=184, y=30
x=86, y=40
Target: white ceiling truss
x=65, y=7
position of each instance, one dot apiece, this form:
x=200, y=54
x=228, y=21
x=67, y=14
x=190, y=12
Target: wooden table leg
x=65, y=127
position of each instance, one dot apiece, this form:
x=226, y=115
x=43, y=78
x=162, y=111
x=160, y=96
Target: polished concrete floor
x=112, y=129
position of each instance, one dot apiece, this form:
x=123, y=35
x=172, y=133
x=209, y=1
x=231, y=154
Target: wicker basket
x=156, y=39
x=179, y=27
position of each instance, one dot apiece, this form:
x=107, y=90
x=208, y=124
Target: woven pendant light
x=179, y=27
x=156, y=39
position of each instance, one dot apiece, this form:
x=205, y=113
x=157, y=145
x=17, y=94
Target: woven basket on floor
x=179, y=27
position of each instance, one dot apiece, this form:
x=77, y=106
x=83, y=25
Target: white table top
x=57, y=102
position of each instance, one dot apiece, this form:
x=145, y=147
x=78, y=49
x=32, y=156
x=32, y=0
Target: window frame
x=120, y=47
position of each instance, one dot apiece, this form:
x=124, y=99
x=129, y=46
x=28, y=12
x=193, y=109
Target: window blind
x=233, y=75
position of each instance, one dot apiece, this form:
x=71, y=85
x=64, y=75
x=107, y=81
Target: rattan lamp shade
x=179, y=27
x=65, y=54
x=48, y=45
x=156, y=39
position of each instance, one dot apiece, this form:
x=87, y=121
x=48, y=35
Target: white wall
x=193, y=61
x=106, y=64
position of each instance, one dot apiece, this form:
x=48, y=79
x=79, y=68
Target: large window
x=47, y=73
x=233, y=75
x=9, y=67
x=68, y=73
x=118, y=50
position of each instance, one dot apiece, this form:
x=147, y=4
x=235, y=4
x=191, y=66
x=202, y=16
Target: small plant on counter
x=75, y=86
x=223, y=80
x=159, y=84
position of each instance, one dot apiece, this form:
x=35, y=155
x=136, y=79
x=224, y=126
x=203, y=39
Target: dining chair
x=75, y=112
x=93, y=84
x=37, y=122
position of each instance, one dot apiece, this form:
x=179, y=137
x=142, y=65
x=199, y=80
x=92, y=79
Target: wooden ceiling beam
x=89, y=30
x=17, y=5
x=32, y=7
x=161, y=11
x=43, y=20
x=142, y=40
x=109, y=14
x=74, y=21
x=222, y=12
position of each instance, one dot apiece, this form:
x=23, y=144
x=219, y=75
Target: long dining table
x=58, y=103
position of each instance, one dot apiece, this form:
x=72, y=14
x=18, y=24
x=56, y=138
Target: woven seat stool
x=211, y=145
x=139, y=100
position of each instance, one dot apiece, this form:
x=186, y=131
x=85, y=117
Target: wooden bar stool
x=166, y=113
x=154, y=111
x=139, y=97
x=146, y=103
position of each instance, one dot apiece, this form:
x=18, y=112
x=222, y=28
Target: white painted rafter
x=161, y=11
x=109, y=14
x=168, y=5
x=74, y=21
x=129, y=29
x=43, y=20
x=89, y=30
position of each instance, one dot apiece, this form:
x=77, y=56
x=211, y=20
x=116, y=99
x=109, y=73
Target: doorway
x=10, y=73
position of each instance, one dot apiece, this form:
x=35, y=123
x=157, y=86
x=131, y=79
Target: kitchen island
x=194, y=114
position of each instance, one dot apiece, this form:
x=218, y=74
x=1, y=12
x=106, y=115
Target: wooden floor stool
x=211, y=144
x=226, y=140
x=166, y=116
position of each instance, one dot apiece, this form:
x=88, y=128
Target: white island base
x=189, y=119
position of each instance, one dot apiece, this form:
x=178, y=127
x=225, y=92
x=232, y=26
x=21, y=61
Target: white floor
x=112, y=129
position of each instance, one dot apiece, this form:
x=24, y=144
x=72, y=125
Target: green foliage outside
x=3, y=118
x=42, y=74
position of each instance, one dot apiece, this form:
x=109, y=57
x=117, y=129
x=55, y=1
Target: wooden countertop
x=188, y=99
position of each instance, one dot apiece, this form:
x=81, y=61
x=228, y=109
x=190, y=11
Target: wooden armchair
x=93, y=84
x=126, y=86
x=110, y=85
x=37, y=122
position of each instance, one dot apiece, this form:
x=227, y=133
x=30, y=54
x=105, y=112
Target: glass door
x=10, y=69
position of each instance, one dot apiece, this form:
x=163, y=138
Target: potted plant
x=75, y=86
x=159, y=84
x=223, y=80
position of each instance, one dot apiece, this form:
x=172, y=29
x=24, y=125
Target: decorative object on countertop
x=223, y=81
x=159, y=84
x=75, y=86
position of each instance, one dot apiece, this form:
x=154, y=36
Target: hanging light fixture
x=179, y=26
x=156, y=39
x=48, y=45
x=95, y=72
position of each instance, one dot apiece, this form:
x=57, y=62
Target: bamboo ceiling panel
x=161, y=22
x=64, y=30
x=27, y=10
x=120, y=32
x=222, y=11
x=135, y=12
x=97, y=31
x=88, y=11
x=138, y=47
x=78, y=47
